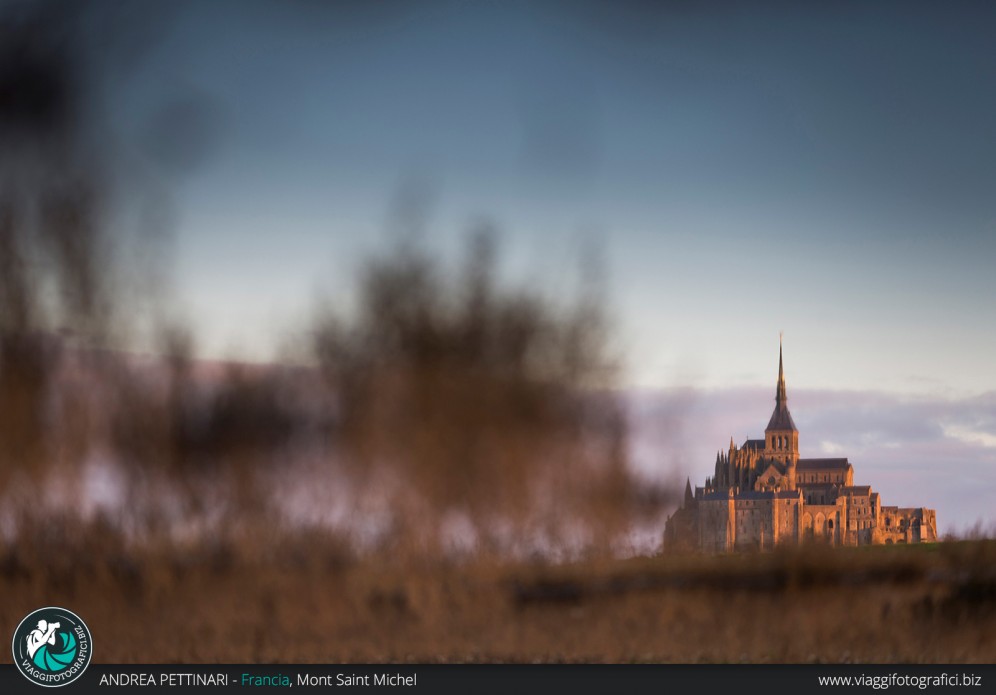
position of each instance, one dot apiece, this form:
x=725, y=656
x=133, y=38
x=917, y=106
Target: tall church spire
x=781, y=419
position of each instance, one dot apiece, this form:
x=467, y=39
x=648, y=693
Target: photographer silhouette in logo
x=43, y=634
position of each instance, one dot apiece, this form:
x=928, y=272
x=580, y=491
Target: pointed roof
x=822, y=464
x=781, y=418
x=780, y=396
x=755, y=444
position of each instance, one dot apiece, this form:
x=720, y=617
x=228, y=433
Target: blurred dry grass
x=307, y=598
x=477, y=400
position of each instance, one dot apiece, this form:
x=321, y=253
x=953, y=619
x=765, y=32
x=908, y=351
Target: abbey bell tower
x=781, y=438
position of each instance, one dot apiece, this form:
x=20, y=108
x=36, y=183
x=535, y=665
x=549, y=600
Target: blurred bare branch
x=485, y=401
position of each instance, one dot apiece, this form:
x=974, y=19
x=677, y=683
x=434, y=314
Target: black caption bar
x=518, y=679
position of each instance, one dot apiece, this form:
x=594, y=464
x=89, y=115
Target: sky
x=826, y=170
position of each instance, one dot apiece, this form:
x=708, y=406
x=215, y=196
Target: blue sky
x=825, y=170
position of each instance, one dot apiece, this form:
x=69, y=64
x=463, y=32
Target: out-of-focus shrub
x=473, y=401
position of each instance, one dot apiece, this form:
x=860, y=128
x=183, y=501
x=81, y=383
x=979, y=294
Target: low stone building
x=763, y=494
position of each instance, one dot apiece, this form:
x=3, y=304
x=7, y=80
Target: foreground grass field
x=308, y=601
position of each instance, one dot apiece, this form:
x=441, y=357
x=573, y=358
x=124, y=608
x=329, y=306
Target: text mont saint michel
x=328, y=679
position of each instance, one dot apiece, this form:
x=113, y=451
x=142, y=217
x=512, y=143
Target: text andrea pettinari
x=351, y=679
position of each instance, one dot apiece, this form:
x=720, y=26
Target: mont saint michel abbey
x=762, y=494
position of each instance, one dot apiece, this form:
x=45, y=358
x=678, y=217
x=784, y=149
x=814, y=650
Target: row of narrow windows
x=780, y=443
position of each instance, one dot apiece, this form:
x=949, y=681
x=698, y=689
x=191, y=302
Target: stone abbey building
x=762, y=495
